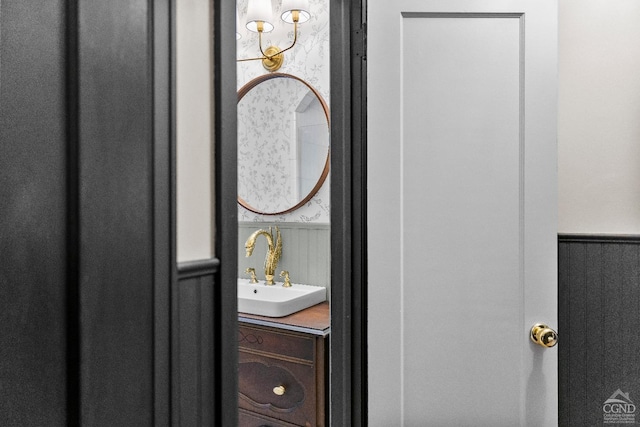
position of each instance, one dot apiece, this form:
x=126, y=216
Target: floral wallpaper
x=308, y=60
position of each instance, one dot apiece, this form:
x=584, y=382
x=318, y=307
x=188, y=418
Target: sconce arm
x=270, y=57
x=295, y=39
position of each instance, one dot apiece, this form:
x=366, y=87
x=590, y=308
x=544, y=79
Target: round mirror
x=283, y=143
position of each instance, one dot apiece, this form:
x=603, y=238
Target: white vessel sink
x=277, y=301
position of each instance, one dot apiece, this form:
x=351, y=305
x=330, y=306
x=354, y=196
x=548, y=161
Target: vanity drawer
x=260, y=374
x=250, y=419
x=280, y=343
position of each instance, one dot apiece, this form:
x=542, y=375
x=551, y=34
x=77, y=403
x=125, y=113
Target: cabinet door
x=461, y=211
x=280, y=375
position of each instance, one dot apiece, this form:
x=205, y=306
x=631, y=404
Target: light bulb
x=259, y=13
x=301, y=6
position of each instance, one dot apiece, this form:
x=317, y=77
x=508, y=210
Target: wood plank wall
x=598, y=325
x=306, y=252
x=193, y=349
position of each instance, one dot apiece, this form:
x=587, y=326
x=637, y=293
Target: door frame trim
x=164, y=202
x=348, y=336
x=225, y=298
x=348, y=379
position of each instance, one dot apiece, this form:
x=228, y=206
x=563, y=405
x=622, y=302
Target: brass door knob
x=543, y=335
x=279, y=390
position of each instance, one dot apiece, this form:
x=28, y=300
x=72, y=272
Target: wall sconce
x=259, y=20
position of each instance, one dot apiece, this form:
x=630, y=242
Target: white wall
x=599, y=116
x=194, y=130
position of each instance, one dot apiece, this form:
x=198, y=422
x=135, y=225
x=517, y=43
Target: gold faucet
x=273, y=254
x=252, y=272
x=287, y=281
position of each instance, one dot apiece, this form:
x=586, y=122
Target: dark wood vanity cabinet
x=282, y=377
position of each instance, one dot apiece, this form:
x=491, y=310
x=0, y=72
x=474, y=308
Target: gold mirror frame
x=325, y=172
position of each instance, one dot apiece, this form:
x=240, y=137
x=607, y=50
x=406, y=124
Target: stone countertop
x=313, y=320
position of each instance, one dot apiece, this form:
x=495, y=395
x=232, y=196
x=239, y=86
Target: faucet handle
x=287, y=282
x=252, y=272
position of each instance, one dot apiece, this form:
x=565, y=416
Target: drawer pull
x=279, y=390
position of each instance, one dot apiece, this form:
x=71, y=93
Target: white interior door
x=461, y=212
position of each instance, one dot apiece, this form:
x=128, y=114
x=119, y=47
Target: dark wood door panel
x=33, y=220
